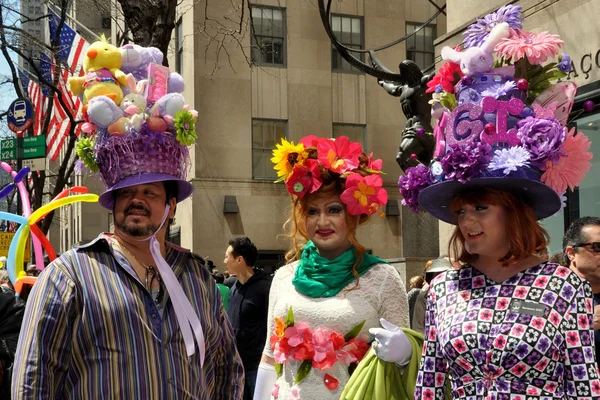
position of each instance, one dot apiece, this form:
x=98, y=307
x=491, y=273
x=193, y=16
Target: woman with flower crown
x=325, y=306
x=506, y=324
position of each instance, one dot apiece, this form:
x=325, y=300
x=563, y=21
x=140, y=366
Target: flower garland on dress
x=316, y=348
x=539, y=140
x=303, y=168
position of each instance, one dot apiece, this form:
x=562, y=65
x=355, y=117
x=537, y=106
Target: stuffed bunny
x=475, y=60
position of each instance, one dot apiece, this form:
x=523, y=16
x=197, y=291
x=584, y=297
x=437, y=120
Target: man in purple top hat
x=130, y=315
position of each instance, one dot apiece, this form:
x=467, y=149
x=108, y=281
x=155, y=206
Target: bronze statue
x=416, y=108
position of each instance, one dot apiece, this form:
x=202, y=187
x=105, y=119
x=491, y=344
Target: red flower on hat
x=305, y=179
x=339, y=155
x=364, y=194
x=448, y=76
x=310, y=141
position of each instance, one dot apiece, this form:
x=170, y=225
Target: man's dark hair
x=242, y=246
x=219, y=277
x=574, y=234
x=171, y=190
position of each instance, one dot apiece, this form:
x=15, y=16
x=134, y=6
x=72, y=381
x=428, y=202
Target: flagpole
x=54, y=7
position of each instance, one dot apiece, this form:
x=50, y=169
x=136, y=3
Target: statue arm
x=390, y=87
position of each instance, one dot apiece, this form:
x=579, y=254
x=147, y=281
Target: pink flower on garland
x=570, y=169
x=325, y=353
x=305, y=179
x=339, y=155
x=275, y=391
x=295, y=393
x=448, y=76
x=364, y=194
x=538, y=47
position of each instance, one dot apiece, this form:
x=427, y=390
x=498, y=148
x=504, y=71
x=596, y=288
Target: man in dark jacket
x=11, y=316
x=248, y=306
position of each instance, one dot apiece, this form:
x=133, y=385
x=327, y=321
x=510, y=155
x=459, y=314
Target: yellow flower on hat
x=286, y=156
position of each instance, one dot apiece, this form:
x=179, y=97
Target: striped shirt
x=92, y=331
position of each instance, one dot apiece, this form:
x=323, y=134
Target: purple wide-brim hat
x=184, y=188
x=436, y=199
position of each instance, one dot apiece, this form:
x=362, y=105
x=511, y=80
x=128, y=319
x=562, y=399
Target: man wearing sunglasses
x=581, y=246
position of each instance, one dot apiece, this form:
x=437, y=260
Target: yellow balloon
x=20, y=253
x=54, y=204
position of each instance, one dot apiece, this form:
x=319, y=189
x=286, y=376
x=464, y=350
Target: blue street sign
x=20, y=115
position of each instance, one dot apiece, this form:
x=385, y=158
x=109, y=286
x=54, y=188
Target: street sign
x=33, y=146
x=5, y=239
x=20, y=115
x=33, y=152
x=34, y=141
x=8, y=149
x=35, y=164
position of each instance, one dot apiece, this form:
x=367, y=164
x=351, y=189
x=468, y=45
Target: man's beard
x=136, y=229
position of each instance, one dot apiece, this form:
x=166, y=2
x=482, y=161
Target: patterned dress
x=529, y=337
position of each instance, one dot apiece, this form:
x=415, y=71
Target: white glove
x=391, y=344
x=265, y=379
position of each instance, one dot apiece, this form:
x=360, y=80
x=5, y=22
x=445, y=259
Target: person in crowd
x=416, y=282
x=32, y=270
x=130, y=315
x=414, y=290
x=581, y=245
x=248, y=306
x=224, y=290
x=558, y=258
x=230, y=279
x=12, y=309
x=332, y=293
x=431, y=270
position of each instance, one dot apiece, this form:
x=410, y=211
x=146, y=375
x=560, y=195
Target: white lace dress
x=380, y=294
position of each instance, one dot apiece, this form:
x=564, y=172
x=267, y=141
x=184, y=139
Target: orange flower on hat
x=570, y=169
x=364, y=194
x=339, y=155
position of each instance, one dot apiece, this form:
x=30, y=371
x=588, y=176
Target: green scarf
x=317, y=276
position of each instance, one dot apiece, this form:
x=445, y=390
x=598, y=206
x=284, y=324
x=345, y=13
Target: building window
x=266, y=133
x=349, y=32
x=354, y=132
x=419, y=47
x=268, y=36
x=179, y=46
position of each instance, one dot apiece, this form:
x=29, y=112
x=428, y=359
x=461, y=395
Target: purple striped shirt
x=92, y=331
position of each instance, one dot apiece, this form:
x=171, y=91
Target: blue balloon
x=6, y=190
x=21, y=174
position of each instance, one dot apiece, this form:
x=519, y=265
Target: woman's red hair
x=525, y=235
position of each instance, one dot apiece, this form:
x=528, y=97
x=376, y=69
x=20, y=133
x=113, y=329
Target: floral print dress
x=529, y=337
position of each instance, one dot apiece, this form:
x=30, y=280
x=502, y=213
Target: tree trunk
x=151, y=22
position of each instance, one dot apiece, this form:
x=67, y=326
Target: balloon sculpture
x=16, y=251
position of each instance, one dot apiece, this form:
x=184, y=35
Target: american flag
x=72, y=49
x=37, y=98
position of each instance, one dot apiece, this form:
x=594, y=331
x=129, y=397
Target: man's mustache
x=137, y=207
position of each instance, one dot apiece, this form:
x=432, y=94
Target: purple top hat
x=140, y=157
x=501, y=128
x=142, y=138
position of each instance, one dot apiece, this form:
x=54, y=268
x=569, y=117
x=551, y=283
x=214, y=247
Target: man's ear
x=173, y=209
x=570, y=252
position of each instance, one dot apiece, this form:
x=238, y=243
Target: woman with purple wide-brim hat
x=506, y=323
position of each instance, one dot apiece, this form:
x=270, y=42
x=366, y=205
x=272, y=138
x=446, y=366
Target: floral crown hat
x=305, y=166
x=501, y=121
x=137, y=125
